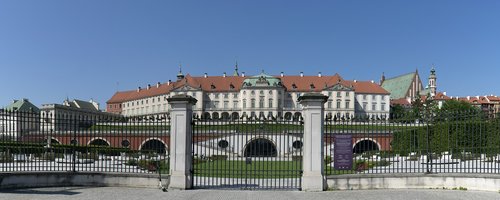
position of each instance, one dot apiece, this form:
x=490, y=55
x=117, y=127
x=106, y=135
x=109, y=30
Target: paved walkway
x=79, y=193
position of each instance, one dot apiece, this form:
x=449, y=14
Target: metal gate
x=247, y=154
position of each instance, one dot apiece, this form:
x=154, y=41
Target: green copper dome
x=262, y=80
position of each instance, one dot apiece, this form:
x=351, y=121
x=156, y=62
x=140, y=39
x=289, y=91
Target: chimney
x=372, y=81
x=206, y=75
x=319, y=74
x=138, y=89
x=355, y=81
x=468, y=97
x=158, y=85
x=149, y=86
x=301, y=74
x=444, y=93
x=14, y=100
x=242, y=74
x=224, y=75
x=282, y=74
x=169, y=82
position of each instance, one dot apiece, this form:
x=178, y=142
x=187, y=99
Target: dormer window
x=294, y=86
x=212, y=86
x=312, y=86
x=231, y=87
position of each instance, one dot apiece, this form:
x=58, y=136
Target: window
x=270, y=92
x=279, y=103
x=226, y=95
x=338, y=94
x=244, y=103
x=165, y=106
x=329, y=94
x=261, y=92
x=154, y=108
x=235, y=95
x=346, y=94
x=216, y=95
x=235, y=104
x=146, y=101
x=252, y=104
x=216, y=103
x=364, y=97
x=338, y=103
x=253, y=92
x=347, y=104
x=382, y=106
x=365, y=105
x=226, y=104
x=153, y=100
x=261, y=102
x=374, y=106
x=270, y=103
x=329, y=104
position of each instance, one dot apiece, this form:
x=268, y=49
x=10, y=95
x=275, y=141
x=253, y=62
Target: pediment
x=339, y=87
x=185, y=88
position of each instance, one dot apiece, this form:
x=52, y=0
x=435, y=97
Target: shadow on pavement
x=44, y=191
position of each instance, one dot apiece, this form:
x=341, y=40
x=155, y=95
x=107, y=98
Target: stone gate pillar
x=181, y=115
x=313, y=178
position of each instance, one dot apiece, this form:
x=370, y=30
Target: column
x=181, y=141
x=313, y=178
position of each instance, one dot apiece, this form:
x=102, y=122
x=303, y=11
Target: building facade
x=405, y=89
x=260, y=96
x=18, y=118
x=70, y=115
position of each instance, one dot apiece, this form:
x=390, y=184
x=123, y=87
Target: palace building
x=260, y=96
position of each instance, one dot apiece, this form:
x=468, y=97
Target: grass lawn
x=258, y=169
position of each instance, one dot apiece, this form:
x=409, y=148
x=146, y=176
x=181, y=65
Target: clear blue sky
x=50, y=50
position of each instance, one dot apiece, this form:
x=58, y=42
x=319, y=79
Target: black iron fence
x=247, y=154
x=44, y=141
x=442, y=142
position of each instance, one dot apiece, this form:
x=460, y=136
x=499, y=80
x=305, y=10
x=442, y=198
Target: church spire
x=236, y=70
x=432, y=81
x=180, y=75
x=382, y=79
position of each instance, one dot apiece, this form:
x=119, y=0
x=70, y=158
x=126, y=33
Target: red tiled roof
x=402, y=101
x=367, y=87
x=441, y=96
x=234, y=83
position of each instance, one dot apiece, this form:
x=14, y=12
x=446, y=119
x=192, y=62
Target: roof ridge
x=400, y=76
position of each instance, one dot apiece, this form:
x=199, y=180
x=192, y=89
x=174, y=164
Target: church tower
x=432, y=82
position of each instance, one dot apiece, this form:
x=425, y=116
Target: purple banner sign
x=342, y=152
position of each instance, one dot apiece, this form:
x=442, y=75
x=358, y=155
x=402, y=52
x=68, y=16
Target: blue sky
x=50, y=50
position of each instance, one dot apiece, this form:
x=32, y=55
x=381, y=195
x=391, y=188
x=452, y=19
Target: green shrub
x=218, y=157
x=6, y=157
x=132, y=162
x=328, y=160
x=152, y=165
x=296, y=158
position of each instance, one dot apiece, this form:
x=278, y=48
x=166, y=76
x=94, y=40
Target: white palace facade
x=261, y=96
